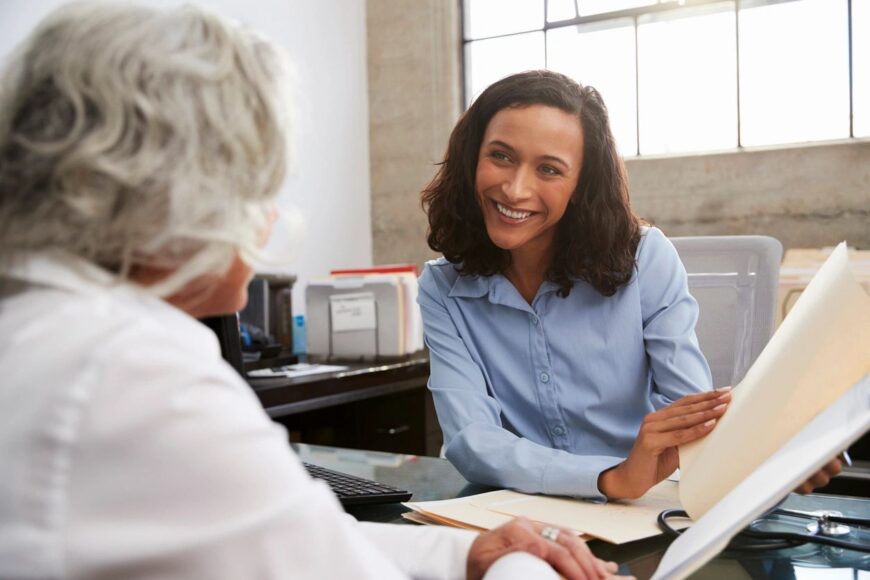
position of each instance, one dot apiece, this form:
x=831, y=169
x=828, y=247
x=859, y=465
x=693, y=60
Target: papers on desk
x=616, y=522
x=297, y=370
x=819, y=351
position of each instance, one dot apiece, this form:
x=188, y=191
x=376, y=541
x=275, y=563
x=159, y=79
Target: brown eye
x=550, y=170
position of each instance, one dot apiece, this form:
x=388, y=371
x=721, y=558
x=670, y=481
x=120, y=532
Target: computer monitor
x=226, y=328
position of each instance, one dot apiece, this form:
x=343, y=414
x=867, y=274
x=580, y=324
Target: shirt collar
x=497, y=288
x=63, y=270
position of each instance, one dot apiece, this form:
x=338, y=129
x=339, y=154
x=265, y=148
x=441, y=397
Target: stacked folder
x=364, y=313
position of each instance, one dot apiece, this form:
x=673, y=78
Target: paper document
x=460, y=513
x=297, y=370
x=833, y=430
x=615, y=522
x=820, y=350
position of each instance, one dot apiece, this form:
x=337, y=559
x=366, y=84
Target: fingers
x=592, y=566
x=699, y=397
x=822, y=477
x=572, y=553
x=690, y=418
x=833, y=467
x=694, y=415
x=691, y=404
x=805, y=488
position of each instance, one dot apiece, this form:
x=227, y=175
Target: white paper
x=297, y=370
x=349, y=312
x=829, y=433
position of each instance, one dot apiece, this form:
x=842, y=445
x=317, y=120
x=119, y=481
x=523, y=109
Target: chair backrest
x=734, y=279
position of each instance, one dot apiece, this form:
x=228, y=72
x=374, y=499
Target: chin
x=504, y=242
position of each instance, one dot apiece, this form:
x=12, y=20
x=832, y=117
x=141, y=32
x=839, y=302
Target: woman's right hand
x=654, y=455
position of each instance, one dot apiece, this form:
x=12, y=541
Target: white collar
x=63, y=270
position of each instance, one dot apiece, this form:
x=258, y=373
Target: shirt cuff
x=577, y=475
x=519, y=566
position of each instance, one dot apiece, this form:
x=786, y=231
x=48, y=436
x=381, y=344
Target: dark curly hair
x=597, y=237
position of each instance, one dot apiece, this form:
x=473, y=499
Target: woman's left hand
x=821, y=477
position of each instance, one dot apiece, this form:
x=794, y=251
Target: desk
x=430, y=478
x=384, y=406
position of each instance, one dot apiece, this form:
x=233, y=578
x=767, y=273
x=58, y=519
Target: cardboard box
x=799, y=265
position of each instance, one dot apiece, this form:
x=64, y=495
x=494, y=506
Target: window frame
x=669, y=6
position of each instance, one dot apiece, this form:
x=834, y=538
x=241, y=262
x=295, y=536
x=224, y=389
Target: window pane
x=561, y=10
x=687, y=76
x=794, y=72
x=861, y=67
x=487, y=61
x=575, y=51
x=589, y=7
x=485, y=18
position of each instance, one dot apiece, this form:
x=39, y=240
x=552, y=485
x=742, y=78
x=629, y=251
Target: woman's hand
x=567, y=554
x=654, y=455
x=821, y=477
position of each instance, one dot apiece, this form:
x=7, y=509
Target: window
x=690, y=75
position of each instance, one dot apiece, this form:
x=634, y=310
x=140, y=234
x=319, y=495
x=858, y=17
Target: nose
x=519, y=185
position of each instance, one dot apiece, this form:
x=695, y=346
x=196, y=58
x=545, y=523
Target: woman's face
x=528, y=167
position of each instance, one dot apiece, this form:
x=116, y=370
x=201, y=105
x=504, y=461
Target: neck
x=528, y=269
x=191, y=299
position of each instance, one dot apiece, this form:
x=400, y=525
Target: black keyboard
x=352, y=490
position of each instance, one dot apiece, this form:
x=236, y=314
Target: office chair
x=735, y=280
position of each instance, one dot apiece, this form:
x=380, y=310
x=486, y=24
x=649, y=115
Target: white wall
x=329, y=179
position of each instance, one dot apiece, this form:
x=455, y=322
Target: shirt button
x=545, y=378
x=534, y=319
x=558, y=430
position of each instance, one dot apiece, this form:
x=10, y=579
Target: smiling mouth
x=513, y=214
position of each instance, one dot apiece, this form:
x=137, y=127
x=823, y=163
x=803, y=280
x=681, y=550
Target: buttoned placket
x=545, y=380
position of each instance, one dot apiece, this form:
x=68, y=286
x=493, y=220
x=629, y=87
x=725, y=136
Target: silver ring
x=551, y=533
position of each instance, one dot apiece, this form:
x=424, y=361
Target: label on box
x=350, y=312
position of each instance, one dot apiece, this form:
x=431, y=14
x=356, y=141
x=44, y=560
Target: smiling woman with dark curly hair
x=557, y=322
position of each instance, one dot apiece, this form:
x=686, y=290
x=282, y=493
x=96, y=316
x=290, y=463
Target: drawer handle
x=393, y=430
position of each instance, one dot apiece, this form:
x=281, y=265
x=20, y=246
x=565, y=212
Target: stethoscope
x=827, y=527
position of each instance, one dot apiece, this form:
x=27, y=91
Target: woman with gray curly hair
x=140, y=152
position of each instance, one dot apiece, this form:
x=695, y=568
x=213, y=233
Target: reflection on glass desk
x=430, y=478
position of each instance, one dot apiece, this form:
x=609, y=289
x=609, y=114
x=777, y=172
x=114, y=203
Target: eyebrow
x=553, y=158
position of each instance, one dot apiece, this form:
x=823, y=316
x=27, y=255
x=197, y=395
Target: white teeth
x=517, y=215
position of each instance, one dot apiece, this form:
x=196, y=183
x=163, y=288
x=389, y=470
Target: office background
x=379, y=87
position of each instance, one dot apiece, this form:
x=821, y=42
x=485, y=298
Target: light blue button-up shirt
x=543, y=397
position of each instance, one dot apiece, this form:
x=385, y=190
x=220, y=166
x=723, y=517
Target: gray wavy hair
x=132, y=136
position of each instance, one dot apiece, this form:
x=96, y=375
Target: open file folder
x=833, y=430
